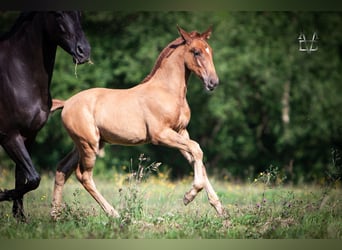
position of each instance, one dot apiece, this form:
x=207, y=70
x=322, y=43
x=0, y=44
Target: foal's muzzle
x=211, y=83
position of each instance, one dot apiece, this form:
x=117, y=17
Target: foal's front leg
x=212, y=196
x=193, y=153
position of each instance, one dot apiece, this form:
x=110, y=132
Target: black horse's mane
x=23, y=17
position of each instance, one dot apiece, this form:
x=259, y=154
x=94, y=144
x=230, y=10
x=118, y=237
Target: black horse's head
x=64, y=27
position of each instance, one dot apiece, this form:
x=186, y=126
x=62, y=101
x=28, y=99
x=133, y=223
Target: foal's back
x=111, y=115
x=123, y=116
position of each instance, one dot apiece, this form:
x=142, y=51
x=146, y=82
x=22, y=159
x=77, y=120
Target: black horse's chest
x=25, y=109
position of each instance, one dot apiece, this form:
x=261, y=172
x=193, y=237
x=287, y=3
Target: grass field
x=153, y=209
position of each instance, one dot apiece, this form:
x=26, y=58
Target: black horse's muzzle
x=82, y=53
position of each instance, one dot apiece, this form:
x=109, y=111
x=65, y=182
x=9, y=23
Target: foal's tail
x=56, y=104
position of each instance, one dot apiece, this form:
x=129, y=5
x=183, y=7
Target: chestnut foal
x=155, y=111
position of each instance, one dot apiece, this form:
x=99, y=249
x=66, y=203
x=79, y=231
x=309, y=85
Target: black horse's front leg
x=26, y=177
x=18, y=207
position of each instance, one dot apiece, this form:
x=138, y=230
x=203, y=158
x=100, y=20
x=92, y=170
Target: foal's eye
x=196, y=52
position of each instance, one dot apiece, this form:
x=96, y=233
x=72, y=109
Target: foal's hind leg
x=84, y=173
x=64, y=169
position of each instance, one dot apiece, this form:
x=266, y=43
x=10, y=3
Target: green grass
x=153, y=209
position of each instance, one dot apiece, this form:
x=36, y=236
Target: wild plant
x=74, y=211
x=132, y=196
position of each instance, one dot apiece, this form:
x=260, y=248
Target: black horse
x=27, y=57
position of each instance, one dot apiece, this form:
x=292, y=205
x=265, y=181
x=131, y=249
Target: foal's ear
x=206, y=35
x=185, y=35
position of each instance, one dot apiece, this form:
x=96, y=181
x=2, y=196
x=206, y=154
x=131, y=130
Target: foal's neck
x=173, y=74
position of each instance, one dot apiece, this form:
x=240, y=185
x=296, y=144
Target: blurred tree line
x=275, y=105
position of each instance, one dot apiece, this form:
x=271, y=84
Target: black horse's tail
x=56, y=104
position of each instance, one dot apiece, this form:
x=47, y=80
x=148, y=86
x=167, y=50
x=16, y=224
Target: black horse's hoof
x=18, y=211
x=5, y=195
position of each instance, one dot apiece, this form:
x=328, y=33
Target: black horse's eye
x=62, y=28
x=58, y=14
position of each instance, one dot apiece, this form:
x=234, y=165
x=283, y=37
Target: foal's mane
x=166, y=52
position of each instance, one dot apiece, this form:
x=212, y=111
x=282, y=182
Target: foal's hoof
x=114, y=214
x=221, y=211
x=185, y=201
x=55, y=215
x=188, y=198
x=56, y=212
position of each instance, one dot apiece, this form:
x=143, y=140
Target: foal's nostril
x=214, y=82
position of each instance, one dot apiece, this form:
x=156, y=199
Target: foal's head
x=199, y=58
x=64, y=28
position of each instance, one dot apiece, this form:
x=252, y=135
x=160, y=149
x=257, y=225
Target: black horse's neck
x=31, y=27
x=37, y=50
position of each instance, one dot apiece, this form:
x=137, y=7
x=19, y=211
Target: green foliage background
x=239, y=126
